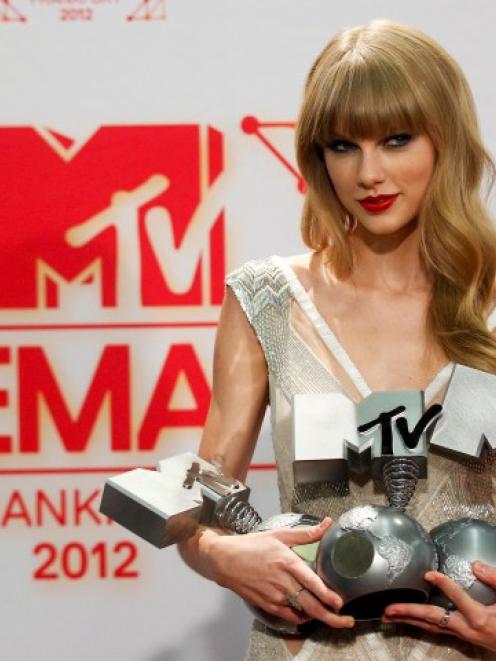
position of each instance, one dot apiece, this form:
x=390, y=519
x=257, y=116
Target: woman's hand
x=261, y=568
x=471, y=621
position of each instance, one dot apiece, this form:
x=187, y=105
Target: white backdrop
x=71, y=67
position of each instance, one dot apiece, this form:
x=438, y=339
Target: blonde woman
x=399, y=285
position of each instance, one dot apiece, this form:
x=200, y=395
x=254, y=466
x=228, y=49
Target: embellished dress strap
x=264, y=296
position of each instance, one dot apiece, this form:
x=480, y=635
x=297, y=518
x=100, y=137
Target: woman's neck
x=388, y=263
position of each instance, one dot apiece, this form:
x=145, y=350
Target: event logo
x=253, y=126
x=123, y=234
x=132, y=219
x=148, y=10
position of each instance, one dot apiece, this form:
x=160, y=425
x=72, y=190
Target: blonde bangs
x=366, y=98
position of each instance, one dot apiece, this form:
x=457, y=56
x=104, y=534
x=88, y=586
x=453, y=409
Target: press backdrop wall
x=145, y=150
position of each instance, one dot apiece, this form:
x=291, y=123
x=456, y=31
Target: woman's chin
x=384, y=227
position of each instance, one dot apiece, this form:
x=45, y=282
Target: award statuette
x=467, y=429
x=166, y=506
x=373, y=555
x=397, y=452
x=459, y=543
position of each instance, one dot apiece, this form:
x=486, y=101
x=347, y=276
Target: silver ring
x=444, y=621
x=292, y=599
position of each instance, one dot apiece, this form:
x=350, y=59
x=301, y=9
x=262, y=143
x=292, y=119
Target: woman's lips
x=379, y=203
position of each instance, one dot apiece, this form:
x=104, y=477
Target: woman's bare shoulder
x=305, y=267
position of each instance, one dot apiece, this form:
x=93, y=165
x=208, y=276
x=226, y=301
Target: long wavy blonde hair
x=375, y=80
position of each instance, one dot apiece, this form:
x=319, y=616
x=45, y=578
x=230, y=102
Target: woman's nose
x=370, y=168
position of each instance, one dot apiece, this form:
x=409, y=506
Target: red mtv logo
x=134, y=217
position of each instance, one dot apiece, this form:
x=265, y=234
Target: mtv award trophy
x=373, y=555
x=467, y=429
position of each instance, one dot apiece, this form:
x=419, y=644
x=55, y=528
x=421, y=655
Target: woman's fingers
x=301, y=535
x=471, y=609
x=433, y=628
x=486, y=573
x=421, y=612
x=317, y=611
x=307, y=578
x=429, y=618
x=277, y=606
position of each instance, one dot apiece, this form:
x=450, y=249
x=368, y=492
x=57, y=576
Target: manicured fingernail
x=350, y=622
x=391, y=612
x=479, y=566
x=338, y=603
x=430, y=576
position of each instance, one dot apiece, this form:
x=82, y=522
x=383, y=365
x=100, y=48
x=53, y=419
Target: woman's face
x=381, y=181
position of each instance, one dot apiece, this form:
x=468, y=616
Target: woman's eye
x=398, y=140
x=341, y=146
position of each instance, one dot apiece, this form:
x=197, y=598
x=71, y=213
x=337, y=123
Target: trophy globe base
x=372, y=606
x=374, y=556
x=459, y=543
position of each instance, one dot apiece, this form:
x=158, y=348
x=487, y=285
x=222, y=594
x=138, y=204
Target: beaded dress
x=303, y=355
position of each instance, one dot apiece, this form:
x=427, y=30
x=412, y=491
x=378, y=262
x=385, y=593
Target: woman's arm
x=239, y=393
x=239, y=400
x=260, y=567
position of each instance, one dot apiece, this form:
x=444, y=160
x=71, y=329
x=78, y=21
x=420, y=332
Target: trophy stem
x=400, y=476
x=236, y=515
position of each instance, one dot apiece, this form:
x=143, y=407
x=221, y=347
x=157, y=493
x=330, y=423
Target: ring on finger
x=292, y=599
x=445, y=618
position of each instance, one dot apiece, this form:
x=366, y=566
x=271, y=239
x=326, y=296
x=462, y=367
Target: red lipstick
x=378, y=203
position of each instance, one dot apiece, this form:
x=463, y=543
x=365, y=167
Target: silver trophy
x=166, y=506
x=459, y=543
x=467, y=429
x=372, y=556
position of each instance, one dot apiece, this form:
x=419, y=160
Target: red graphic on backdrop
x=252, y=126
x=65, y=141
x=148, y=10
x=134, y=217
x=9, y=14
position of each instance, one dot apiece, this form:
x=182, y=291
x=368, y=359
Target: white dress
x=304, y=356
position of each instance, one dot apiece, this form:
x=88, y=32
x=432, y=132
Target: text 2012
x=75, y=560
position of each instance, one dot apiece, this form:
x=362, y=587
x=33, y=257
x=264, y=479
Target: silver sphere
x=458, y=544
x=307, y=552
x=374, y=556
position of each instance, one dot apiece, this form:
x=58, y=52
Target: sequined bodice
x=273, y=301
